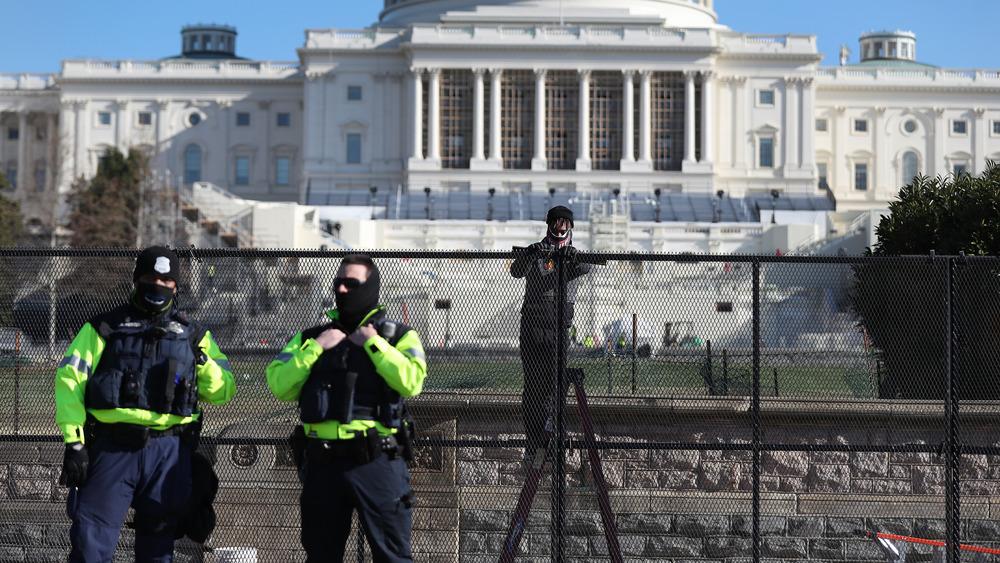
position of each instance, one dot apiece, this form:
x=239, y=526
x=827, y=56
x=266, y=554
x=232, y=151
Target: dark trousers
x=539, y=360
x=379, y=490
x=155, y=480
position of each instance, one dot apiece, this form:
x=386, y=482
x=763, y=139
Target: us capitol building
x=456, y=123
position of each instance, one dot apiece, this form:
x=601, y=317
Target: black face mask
x=354, y=305
x=152, y=298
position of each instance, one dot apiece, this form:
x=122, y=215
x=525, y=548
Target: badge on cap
x=162, y=265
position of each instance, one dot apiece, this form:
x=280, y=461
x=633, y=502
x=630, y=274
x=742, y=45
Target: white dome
x=670, y=13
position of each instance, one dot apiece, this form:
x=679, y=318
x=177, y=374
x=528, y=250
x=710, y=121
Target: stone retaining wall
x=670, y=505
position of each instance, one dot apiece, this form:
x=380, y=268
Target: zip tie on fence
x=924, y=541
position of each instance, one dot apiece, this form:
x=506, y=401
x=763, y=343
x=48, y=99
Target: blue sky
x=37, y=35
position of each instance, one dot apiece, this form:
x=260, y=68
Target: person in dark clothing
x=539, y=265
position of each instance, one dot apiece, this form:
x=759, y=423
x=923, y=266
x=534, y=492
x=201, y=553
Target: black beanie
x=159, y=261
x=559, y=212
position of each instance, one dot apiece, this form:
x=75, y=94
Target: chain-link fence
x=717, y=407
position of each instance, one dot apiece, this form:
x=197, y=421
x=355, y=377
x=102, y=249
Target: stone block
x=929, y=528
x=472, y=542
x=892, y=486
x=828, y=478
x=785, y=463
x=728, y=547
x=9, y=554
x=645, y=523
x=46, y=555
x=785, y=548
x=478, y=473
x=844, y=527
x=980, y=530
x=719, y=476
x=485, y=520
x=860, y=550
x=21, y=534
x=792, y=484
x=869, y=464
x=702, y=525
x=928, y=480
x=826, y=549
x=630, y=545
x=675, y=480
x=677, y=460
x=806, y=526
x=672, y=547
x=742, y=525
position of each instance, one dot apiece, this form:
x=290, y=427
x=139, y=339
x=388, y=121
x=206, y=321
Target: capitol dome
x=669, y=13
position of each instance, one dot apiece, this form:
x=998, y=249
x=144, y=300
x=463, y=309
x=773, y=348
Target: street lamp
x=489, y=204
x=656, y=206
x=428, y=211
x=774, y=204
x=374, y=191
x=719, y=194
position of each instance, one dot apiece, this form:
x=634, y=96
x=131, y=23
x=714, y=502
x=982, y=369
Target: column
x=881, y=160
x=66, y=138
x=841, y=167
x=495, y=125
x=312, y=129
x=707, y=117
x=791, y=160
x=269, y=180
x=978, y=164
x=645, y=117
x=689, y=116
x=3, y=144
x=162, y=132
x=378, y=118
x=539, y=161
x=808, y=123
x=416, y=88
x=742, y=122
x=628, y=116
x=583, y=161
x=22, y=151
x=434, y=114
x=939, y=166
x=82, y=165
x=50, y=146
x=122, y=124
x=478, y=117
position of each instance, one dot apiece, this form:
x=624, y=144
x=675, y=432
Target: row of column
x=539, y=159
x=24, y=137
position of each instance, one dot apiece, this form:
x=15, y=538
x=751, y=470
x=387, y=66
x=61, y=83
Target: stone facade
x=690, y=499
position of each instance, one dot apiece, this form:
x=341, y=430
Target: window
x=192, y=163
x=821, y=182
x=765, y=97
x=861, y=177
x=959, y=169
x=13, y=133
x=353, y=148
x=766, y=153
x=284, y=120
x=996, y=127
x=104, y=118
x=354, y=93
x=194, y=119
x=282, y=170
x=12, y=178
x=821, y=125
x=242, y=119
x=860, y=125
x=958, y=126
x=242, y=170
x=144, y=118
x=40, y=133
x=910, y=126
x=910, y=163
x=40, y=179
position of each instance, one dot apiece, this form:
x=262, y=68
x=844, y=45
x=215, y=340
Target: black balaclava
x=354, y=305
x=554, y=214
x=150, y=297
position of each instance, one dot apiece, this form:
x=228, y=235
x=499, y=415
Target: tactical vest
x=343, y=384
x=147, y=364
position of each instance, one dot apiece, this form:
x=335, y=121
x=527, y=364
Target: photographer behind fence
x=350, y=377
x=127, y=395
x=539, y=265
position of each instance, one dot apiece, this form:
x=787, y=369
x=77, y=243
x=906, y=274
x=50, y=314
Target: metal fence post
x=755, y=412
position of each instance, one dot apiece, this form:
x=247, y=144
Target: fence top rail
x=487, y=255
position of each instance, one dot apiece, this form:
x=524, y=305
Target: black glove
x=537, y=248
x=74, y=468
x=568, y=252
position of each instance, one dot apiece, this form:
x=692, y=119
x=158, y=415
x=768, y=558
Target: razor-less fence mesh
x=739, y=408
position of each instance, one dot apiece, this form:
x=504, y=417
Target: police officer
x=126, y=401
x=350, y=376
x=539, y=315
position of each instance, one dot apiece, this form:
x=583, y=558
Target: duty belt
x=136, y=435
x=362, y=448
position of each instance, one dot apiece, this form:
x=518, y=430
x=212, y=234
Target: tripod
x=534, y=475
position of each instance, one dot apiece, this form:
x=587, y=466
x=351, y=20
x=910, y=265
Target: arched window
x=192, y=164
x=909, y=167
